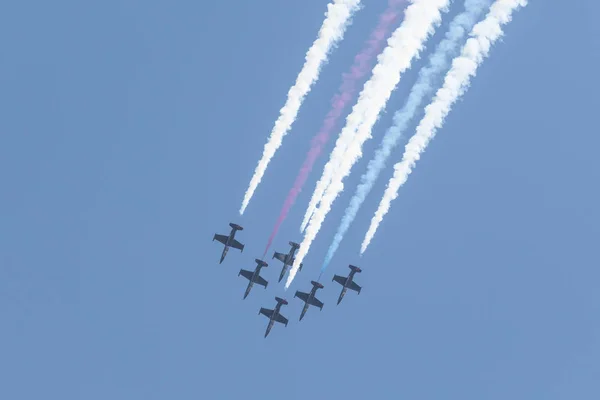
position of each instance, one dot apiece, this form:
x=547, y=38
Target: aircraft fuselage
x=255, y=275
x=287, y=264
x=273, y=319
x=311, y=296
x=229, y=241
x=346, y=285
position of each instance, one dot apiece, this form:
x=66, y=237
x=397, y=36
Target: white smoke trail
x=420, y=19
x=439, y=61
x=338, y=17
x=456, y=83
x=406, y=42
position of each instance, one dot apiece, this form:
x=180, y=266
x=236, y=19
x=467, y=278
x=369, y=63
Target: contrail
x=438, y=62
x=420, y=18
x=346, y=92
x=338, y=17
x=456, y=83
x=405, y=43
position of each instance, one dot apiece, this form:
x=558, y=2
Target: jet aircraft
x=347, y=283
x=229, y=241
x=310, y=298
x=287, y=259
x=254, y=277
x=274, y=315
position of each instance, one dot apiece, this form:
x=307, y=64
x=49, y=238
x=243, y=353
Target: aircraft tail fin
x=317, y=284
x=261, y=262
x=280, y=300
x=236, y=226
x=354, y=268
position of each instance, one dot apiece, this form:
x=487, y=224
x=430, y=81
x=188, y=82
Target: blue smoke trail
x=438, y=62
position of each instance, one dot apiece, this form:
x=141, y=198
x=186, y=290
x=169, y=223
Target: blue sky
x=130, y=131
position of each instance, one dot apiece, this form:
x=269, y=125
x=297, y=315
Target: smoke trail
x=337, y=19
x=346, y=92
x=438, y=62
x=423, y=17
x=456, y=83
x=420, y=18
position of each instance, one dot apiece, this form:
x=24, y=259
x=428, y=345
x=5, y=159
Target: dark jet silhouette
x=287, y=259
x=254, y=277
x=229, y=241
x=309, y=299
x=274, y=315
x=347, y=283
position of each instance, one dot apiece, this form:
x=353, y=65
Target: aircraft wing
x=281, y=319
x=266, y=312
x=237, y=245
x=354, y=287
x=261, y=281
x=279, y=256
x=303, y=296
x=246, y=274
x=316, y=302
x=339, y=279
x=221, y=238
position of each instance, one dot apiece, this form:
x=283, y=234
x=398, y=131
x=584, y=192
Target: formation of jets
x=309, y=299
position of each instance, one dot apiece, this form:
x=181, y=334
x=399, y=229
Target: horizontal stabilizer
x=261, y=262
x=280, y=300
x=354, y=268
x=236, y=226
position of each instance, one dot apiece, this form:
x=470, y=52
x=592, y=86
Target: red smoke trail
x=347, y=91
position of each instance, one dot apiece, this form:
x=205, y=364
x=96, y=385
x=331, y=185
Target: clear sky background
x=129, y=131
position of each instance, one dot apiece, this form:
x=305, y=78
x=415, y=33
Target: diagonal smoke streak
x=438, y=62
x=338, y=16
x=420, y=19
x=421, y=12
x=456, y=83
x=347, y=90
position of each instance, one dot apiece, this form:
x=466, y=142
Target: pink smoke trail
x=347, y=91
